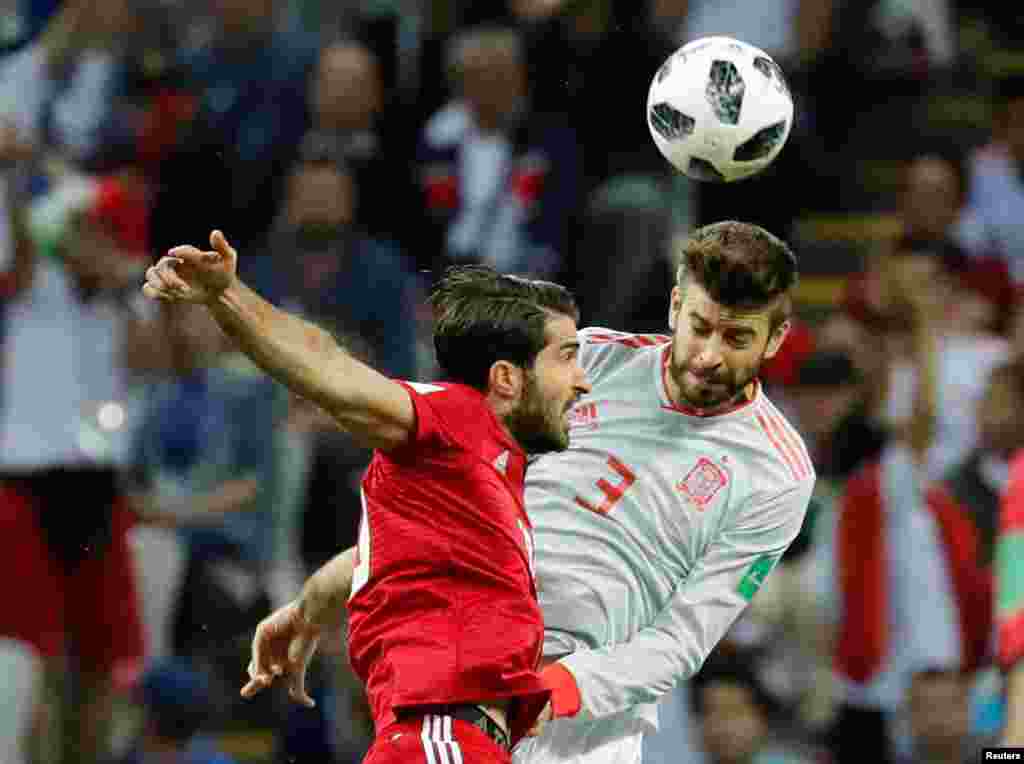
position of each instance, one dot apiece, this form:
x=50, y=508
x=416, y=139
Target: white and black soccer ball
x=719, y=109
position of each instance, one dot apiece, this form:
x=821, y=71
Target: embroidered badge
x=702, y=482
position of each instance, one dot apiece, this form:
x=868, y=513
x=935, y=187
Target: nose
x=709, y=357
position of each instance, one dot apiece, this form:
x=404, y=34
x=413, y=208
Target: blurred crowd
x=158, y=494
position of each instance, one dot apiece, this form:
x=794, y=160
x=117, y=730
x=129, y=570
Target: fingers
x=254, y=686
x=193, y=256
x=297, y=689
x=163, y=283
x=258, y=680
x=153, y=293
x=299, y=654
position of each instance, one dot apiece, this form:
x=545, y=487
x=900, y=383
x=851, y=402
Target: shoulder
x=780, y=464
x=459, y=404
x=596, y=335
x=448, y=416
x=604, y=349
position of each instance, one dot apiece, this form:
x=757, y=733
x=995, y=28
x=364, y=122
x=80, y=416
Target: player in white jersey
x=681, y=488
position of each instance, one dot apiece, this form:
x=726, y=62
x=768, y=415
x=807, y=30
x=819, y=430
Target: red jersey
x=444, y=605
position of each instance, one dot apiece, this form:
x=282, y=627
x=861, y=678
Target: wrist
x=309, y=613
x=229, y=297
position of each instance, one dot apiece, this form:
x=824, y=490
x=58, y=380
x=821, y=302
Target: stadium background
x=330, y=143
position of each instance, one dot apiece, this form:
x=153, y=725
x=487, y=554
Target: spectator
x=250, y=84
x=932, y=202
x=204, y=461
x=176, y=704
x=500, y=180
x=888, y=601
x=938, y=705
x=966, y=351
x=573, y=51
x=68, y=339
x=997, y=192
x=320, y=263
x=734, y=712
x=353, y=120
x=828, y=397
x=966, y=506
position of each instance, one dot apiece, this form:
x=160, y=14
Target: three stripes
x=438, y=743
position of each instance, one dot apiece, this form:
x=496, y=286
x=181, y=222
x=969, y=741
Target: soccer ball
x=719, y=109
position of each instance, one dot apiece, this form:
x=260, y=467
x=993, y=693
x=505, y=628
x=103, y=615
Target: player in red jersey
x=445, y=629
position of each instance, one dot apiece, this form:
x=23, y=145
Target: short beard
x=529, y=423
x=734, y=393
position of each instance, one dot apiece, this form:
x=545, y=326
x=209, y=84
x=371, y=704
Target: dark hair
x=740, y=265
x=482, y=316
x=929, y=672
x=1007, y=89
x=732, y=669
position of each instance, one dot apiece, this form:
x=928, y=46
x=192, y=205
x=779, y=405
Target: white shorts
x=612, y=740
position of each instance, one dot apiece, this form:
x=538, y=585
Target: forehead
x=728, y=693
x=931, y=173
x=345, y=59
x=559, y=330
x=697, y=302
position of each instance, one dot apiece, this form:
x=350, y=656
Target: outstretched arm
x=377, y=411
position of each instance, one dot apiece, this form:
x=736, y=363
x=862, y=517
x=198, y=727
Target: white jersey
x=657, y=526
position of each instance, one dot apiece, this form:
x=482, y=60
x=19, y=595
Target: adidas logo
x=501, y=463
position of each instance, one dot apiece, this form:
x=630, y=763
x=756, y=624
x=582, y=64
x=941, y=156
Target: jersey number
x=612, y=492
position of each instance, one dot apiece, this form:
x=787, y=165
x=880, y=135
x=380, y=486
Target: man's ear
x=674, y=306
x=777, y=338
x=505, y=380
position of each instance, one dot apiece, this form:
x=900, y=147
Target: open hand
x=283, y=646
x=187, y=274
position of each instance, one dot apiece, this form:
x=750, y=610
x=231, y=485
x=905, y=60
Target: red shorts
x=435, y=739
x=93, y=603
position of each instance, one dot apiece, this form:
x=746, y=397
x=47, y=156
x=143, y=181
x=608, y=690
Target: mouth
x=707, y=380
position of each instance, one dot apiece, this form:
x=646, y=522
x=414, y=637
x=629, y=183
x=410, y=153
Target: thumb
x=220, y=243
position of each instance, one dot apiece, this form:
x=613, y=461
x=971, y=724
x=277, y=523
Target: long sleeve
x=675, y=645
